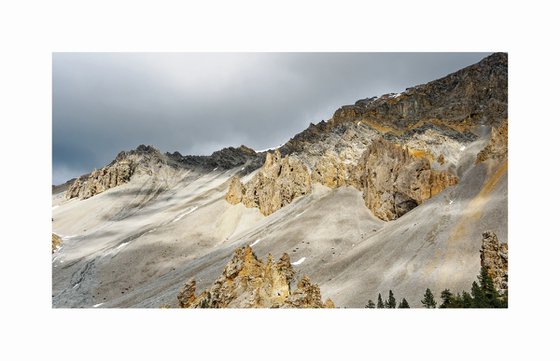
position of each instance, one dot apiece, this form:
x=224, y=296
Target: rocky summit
x=390, y=193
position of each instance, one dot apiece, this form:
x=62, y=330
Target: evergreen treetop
x=404, y=304
x=429, y=301
x=380, y=303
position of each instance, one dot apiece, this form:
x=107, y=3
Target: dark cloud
x=197, y=103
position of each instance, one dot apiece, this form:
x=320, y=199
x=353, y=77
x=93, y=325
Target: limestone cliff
x=494, y=256
x=497, y=147
x=247, y=282
x=277, y=184
x=394, y=181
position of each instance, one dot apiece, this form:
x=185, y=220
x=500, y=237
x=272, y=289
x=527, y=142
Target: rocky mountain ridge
x=146, y=159
x=398, y=149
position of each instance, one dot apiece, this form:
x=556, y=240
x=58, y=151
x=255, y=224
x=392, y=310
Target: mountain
x=391, y=193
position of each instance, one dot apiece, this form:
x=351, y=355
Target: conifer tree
x=490, y=295
x=466, y=300
x=380, y=303
x=477, y=296
x=429, y=301
x=370, y=304
x=404, y=304
x=504, y=300
x=391, y=302
x=447, y=298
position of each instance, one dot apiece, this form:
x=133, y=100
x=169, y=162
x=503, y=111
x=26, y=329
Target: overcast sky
x=197, y=103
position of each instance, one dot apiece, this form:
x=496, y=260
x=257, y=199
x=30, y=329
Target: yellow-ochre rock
x=246, y=282
x=276, y=185
x=393, y=181
x=56, y=242
x=497, y=147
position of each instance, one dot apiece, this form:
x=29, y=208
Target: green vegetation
x=380, y=303
x=404, y=304
x=483, y=295
x=391, y=302
x=429, y=301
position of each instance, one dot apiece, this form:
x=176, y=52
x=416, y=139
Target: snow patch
x=55, y=207
x=297, y=215
x=184, y=214
x=299, y=261
x=267, y=149
x=65, y=238
x=76, y=286
x=214, y=169
x=451, y=202
x=97, y=305
x=122, y=245
x=359, y=123
x=254, y=243
x=462, y=148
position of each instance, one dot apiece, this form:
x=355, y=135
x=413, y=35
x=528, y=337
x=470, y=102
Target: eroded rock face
x=497, y=147
x=101, y=180
x=394, y=181
x=330, y=171
x=119, y=172
x=247, y=282
x=277, y=184
x=494, y=256
x=475, y=94
x=56, y=242
x=236, y=191
x=186, y=295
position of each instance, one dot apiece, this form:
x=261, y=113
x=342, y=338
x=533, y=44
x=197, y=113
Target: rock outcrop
x=494, y=256
x=247, y=282
x=332, y=172
x=277, y=184
x=236, y=191
x=394, y=181
x=143, y=159
x=100, y=180
x=56, y=242
x=497, y=147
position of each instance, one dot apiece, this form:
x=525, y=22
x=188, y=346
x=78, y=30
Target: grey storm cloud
x=197, y=103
